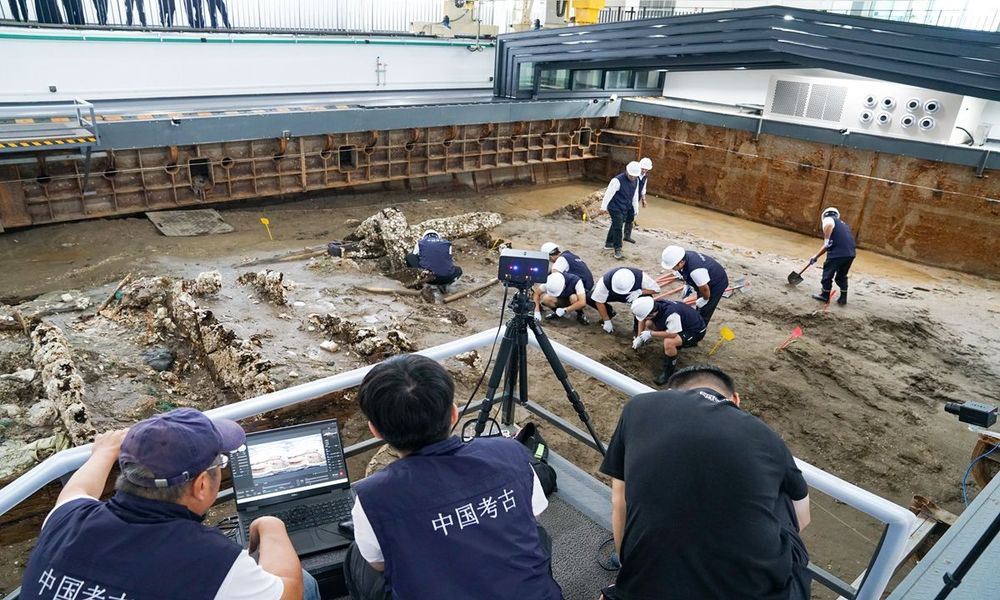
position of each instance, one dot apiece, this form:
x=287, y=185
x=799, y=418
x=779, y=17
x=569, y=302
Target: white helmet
x=671, y=256
x=645, y=163
x=633, y=169
x=622, y=281
x=642, y=306
x=831, y=212
x=549, y=248
x=555, y=284
x=431, y=232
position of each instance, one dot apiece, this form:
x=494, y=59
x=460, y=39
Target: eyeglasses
x=221, y=464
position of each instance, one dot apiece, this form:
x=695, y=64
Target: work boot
x=582, y=318
x=611, y=312
x=669, y=364
x=551, y=316
x=629, y=240
x=608, y=247
x=822, y=297
x=842, y=298
x=618, y=254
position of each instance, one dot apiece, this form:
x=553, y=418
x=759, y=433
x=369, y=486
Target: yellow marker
x=267, y=225
x=726, y=335
x=585, y=215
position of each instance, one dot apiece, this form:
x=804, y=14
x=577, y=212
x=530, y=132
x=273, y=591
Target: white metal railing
x=888, y=554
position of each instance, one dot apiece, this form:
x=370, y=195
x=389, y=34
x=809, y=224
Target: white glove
x=632, y=296
x=560, y=312
x=608, y=326
x=538, y=316
x=641, y=339
x=700, y=302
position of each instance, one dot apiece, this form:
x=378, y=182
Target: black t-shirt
x=703, y=483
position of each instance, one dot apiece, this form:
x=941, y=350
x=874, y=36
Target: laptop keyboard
x=311, y=515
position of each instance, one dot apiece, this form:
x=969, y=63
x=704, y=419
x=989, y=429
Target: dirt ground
x=860, y=394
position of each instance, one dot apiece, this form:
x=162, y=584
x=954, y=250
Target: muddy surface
x=860, y=394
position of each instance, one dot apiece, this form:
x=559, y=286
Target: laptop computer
x=298, y=474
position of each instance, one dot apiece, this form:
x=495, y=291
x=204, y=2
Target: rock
x=293, y=374
x=385, y=456
x=61, y=381
x=159, y=358
x=298, y=304
x=66, y=297
x=470, y=358
x=25, y=375
x=205, y=284
x=352, y=222
x=330, y=346
x=43, y=414
x=272, y=285
x=83, y=302
x=10, y=411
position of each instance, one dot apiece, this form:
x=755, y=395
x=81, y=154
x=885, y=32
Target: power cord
x=965, y=495
x=486, y=367
x=612, y=563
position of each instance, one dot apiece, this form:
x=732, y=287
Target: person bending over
x=434, y=253
x=840, y=250
x=564, y=294
x=676, y=323
x=622, y=285
x=703, y=274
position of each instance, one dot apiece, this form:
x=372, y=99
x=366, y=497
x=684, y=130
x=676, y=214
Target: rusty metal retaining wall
x=46, y=190
x=934, y=213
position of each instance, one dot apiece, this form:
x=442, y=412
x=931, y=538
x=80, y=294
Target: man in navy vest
x=617, y=202
x=702, y=273
x=563, y=261
x=840, y=249
x=676, y=323
x=620, y=285
x=433, y=253
x=639, y=199
x=448, y=519
x=564, y=294
x=148, y=540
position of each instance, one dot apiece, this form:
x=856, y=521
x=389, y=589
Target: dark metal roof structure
x=939, y=58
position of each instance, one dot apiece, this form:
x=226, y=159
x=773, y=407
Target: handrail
x=899, y=521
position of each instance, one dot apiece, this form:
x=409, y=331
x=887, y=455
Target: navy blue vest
x=435, y=255
x=718, y=281
x=642, y=185
x=570, y=288
x=691, y=321
x=128, y=545
x=622, y=200
x=616, y=297
x=454, y=520
x=842, y=241
x=579, y=268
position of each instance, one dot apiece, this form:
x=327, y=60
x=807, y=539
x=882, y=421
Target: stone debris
x=590, y=204
x=205, y=284
x=43, y=414
x=10, y=318
x=383, y=457
x=366, y=341
x=269, y=284
x=61, y=381
x=330, y=346
x=158, y=358
x=24, y=375
x=470, y=358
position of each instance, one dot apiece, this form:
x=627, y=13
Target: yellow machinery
x=587, y=11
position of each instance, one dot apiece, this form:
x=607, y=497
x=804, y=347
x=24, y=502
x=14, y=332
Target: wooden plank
x=13, y=210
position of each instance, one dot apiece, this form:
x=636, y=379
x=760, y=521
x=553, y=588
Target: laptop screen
x=288, y=461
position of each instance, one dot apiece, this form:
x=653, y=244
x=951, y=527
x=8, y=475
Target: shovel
x=795, y=277
x=725, y=335
x=796, y=334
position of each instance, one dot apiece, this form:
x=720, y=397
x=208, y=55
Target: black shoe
x=611, y=312
x=669, y=364
x=582, y=318
x=618, y=254
x=823, y=297
x=551, y=316
x=608, y=247
x=842, y=298
x=630, y=240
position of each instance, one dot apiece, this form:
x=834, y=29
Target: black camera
x=522, y=268
x=973, y=413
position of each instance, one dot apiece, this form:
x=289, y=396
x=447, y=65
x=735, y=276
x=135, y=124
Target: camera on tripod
x=522, y=268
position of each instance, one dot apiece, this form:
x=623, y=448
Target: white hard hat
x=671, y=256
x=431, y=232
x=633, y=169
x=622, y=281
x=645, y=163
x=642, y=306
x=549, y=248
x=555, y=284
x=831, y=212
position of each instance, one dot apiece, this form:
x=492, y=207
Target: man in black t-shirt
x=707, y=502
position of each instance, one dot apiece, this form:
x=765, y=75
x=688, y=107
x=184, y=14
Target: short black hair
x=702, y=375
x=409, y=399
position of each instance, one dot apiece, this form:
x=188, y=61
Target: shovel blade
x=794, y=278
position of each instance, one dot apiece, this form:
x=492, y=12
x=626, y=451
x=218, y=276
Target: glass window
x=647, y=80
x=587, y=80
x=618, y=80
x=557, y=79
x=526, y=77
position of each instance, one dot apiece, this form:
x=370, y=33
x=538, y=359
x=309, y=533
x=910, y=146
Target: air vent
x=932, y=106
x=913, y=104
x=871, y=101
x=888, y=103
x=926, y=123
x=826, y=102
x=883, y=118
x=907, y=120
x=790, y=98
x=866, y=116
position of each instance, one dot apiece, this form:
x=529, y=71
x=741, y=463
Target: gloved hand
x=633, y=295
x=538, y=316
x=641, y=339
x=812, y=260
x=560, y=312
x=700, y=302
x=608, y=326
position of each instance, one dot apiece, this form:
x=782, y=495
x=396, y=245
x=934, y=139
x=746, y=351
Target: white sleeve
x=416, y=248
x=613, y=186
x=600, y=293
x=674, y=323
x=450, y=250
x=67, y=501
x=538, y=500
x=561, y=265
x=364, y=535
x=700, y=277
x=580, y=290
x=246, y=580
x=648, y=283
x=829, y=222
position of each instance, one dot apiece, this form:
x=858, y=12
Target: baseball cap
x=176, y=446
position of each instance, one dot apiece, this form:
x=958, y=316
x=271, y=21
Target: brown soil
x=860, y=395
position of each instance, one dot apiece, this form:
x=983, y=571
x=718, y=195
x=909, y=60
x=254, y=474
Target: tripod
x=512, y=360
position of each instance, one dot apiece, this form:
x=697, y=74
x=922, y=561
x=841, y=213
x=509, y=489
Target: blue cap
x=176, y=446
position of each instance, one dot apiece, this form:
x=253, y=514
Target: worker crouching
x=676, y=323
x=433, y=253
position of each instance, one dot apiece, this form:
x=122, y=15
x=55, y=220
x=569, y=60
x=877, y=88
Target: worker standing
x=220, y=6
x=139, y=5
x=645, y=166
x=676, y=323
x=47, y=11
x=101, y=6
x=840, y=249
x=167, y=9
x=617, y=203
x=74, y=12
x=19, y=9
x=625, y=285
x=434, y=253
x=703, y=274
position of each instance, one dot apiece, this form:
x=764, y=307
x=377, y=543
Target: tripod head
x=522, y=304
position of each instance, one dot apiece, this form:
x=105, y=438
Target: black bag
x=532, y=440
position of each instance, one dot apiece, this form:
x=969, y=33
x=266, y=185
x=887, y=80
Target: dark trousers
x=218, y=5
x=615, y=235
x=196, y=14
x=835, y=269
x=629, y=221
x=140, y=5
x=167, y=8
x=19, y=9
x=413, y=261
x=365, y=583
x=101, y=6
x=48, y=12
x=74, y=11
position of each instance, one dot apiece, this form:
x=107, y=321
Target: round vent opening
x=927, y=123
x=913, y=104
x=888, y=103
x=871, y=101
x=883, y=118
x=907, y=120
x=866, y=116
x=932, y=106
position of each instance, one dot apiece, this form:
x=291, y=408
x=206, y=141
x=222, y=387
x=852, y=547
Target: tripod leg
x=560, y=373
x=514, y=376
x=501, y=364
x=522, y=377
